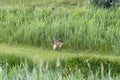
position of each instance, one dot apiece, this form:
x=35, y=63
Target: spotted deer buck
x=57, y=44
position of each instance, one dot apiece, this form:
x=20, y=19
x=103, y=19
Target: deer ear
x=53, y=40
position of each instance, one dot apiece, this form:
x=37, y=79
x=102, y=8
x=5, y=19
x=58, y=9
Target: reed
x=82, y=28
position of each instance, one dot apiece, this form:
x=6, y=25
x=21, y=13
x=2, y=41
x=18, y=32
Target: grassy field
x=91, y=38
x=39, y=3
x=32, y=53
x=44, y=74
x=80, y=28
x=12, y=54
x=46, y=54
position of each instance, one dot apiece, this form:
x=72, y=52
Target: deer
x=57, y=44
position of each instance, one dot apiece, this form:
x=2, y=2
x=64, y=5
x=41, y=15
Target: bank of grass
x=44, y=73
x=87, y=70
x=79, y=28
x=40, y=3
x=17, y=56
x=33, y=52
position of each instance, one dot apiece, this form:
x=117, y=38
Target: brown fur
x=59, y=44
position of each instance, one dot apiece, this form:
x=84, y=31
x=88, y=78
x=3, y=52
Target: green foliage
x=42, y=72
x=38, y=3
x=81, y=62
x=68, y=62
x=80, y=28
x=14, y=60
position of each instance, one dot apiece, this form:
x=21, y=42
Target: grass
x=15, y=55
x=32, y=52
x=37, y=3
x=80, y=28
x=88, y=33
x=43, y=73
x=46, y=54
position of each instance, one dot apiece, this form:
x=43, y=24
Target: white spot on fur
x=54, y=46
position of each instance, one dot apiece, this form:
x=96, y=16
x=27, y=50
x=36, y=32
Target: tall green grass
x=45, y=73
x=79, y=28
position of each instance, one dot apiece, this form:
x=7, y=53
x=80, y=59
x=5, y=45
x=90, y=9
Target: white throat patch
x=54, y=46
